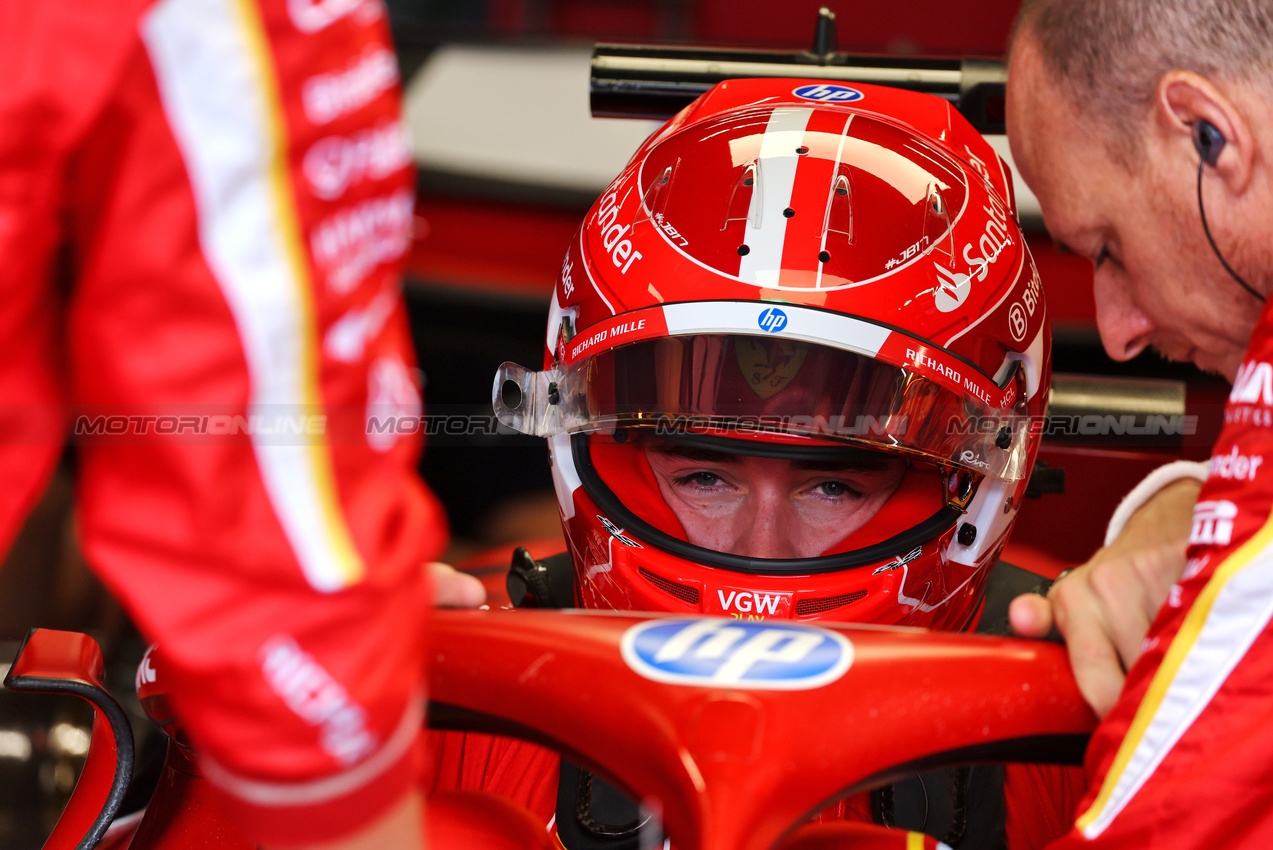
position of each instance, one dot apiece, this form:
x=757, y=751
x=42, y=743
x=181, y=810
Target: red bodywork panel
x=55, y=662
x=184, y=806
x=892, y=699
x=907, y=696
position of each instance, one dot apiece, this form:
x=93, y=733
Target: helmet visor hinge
x=961, y=487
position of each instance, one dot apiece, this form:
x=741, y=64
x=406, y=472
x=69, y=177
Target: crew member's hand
x=1104, y=608
x=454, y=589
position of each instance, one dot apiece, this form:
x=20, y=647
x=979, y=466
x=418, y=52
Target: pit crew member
x=1145, y=130
x=204, y=205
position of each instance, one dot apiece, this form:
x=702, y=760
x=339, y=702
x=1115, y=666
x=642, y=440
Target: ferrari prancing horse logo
x=768, y=365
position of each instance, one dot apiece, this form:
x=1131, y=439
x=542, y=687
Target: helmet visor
x=764, y=388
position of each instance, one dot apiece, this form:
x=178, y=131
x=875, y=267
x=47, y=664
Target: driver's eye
x=836, y=488
x=702, y=479
x=1102, y=256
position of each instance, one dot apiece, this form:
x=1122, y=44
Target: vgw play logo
x=826, y=93
x=718, y=652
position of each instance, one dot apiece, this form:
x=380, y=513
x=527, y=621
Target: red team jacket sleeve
x=203, y=209
x=1185, y=758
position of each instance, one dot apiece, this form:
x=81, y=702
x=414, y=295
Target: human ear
x=1185, y=104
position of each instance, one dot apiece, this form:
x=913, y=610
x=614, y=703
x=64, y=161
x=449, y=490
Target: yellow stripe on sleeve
x=1175, y=656
x=339, y=542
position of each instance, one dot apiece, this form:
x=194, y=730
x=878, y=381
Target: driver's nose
x=1125, y=329
x=767, y=531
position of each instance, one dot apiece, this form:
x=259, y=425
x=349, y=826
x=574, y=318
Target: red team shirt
x=1185, y=759
x=204, y=205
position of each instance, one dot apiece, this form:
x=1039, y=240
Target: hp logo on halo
x=772, y=320
x=736, y=654
x=824, y=93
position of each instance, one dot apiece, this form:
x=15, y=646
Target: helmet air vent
x=654, y=201
x=839, y=216
x=939, y=233
x=745, y=199
x=683, y=592
x=809, y=607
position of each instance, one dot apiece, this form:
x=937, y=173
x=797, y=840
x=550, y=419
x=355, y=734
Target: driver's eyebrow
x=696, y=454
x=865, y=462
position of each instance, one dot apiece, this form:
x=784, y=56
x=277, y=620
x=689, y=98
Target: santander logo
x=952, y=289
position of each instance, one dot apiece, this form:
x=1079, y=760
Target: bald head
x=1104, y=98
x=1108, y=55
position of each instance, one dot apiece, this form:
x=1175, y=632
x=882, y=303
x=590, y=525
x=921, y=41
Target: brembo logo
x=772, y=320
x=824, y=93
x=716, y=652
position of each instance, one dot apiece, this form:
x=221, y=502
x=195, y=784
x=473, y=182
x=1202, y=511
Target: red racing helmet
x=818, y=276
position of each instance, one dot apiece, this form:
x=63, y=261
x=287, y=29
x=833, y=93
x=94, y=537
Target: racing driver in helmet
x=791, y=361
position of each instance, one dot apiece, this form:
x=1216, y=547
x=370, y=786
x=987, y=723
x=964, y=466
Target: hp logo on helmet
x=772, y=320
x=824, y=93
x=736, y=654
